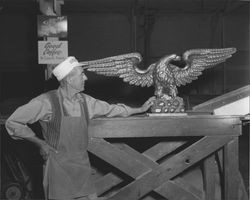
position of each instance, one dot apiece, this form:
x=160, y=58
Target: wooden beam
x=165, y=126
x=173, y=166
x=233, y=184
x=138, y=156
x=224, y=99
x=106, y=182
x=118, y=158
x=161, y=149
x=174, y=191
x=148, y=158
x=110, y=180
x=210, y=177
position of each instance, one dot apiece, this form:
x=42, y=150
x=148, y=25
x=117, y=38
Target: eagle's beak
x=177, y=58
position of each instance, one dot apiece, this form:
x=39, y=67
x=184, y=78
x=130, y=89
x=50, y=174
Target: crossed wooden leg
x=148, y=174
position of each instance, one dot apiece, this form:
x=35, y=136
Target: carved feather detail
x=198, y=60
x=123, y=66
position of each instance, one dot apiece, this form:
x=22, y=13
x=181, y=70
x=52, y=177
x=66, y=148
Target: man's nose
x=85, y=77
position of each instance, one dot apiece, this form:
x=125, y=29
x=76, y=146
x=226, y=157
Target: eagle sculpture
x=164, y=75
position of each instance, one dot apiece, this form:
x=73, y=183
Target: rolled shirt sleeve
x=38, y=108
x=98, y=108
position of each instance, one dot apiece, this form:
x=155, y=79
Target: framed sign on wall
x=52, y=52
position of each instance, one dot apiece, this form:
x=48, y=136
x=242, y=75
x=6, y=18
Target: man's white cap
x=65, y=67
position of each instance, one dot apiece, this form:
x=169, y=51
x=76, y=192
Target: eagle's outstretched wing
x=198, y=60
x=123, y=66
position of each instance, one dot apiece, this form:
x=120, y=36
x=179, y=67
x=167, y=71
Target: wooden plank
x=230, y=169
x=106, y=182
x=220, y=162
x=158, y=151
x=188, y=187
x=110, y=180
x=244, y=152
x=242, y=193
x=233, y=184
x=118, y=158
x=151, y=155
x=173, y=191
x=138, y=156
x=171, y=168
x=161, y=149
x=180, y=185
x=248, y=185
x=209, y=177
x=148, y=198
x=224, y=99
x=165, y=126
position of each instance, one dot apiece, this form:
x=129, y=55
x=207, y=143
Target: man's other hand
x=45, y=150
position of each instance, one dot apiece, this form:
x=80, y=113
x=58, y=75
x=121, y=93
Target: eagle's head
x=174, y=57
x=167, y=59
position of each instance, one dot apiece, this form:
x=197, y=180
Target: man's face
x=77, y=80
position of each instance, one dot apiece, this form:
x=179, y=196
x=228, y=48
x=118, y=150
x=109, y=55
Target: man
x=64, y=114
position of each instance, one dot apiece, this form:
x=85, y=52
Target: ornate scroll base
x=171, y=105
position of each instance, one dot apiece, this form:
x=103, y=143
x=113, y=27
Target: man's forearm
x=43, y=146
x=37, y=141
x=136, y=111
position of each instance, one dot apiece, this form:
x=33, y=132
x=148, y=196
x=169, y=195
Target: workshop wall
x=153, y=32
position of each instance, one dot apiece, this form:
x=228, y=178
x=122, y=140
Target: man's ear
x=68, y=79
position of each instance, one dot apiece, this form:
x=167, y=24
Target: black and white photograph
x=124, y=99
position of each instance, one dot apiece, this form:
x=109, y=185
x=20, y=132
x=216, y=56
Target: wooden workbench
x=165, y=147
x=148, y=157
